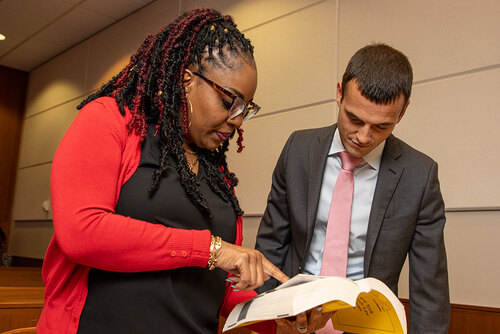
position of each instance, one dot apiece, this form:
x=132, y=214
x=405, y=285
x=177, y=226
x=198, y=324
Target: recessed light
x=2, y=37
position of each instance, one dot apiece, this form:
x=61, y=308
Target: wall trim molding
x=21, y=261
x=469, y=318
x=454, y=306
x=473, y=209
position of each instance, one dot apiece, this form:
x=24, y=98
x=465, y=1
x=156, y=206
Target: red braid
x=240, y=140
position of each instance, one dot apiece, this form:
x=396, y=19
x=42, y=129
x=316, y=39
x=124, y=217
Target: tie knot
x=349, y=162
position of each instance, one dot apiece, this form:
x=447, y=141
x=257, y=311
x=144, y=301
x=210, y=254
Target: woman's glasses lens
x=237, y=108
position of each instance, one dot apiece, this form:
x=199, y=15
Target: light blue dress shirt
x=365, y=180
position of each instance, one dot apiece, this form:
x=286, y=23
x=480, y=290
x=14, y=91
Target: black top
x=184, y=300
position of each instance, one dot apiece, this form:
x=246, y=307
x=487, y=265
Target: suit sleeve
x=429, y=291
x=273, y=237
x=85, y=183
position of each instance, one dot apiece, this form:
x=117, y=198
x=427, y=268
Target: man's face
x=363, y=124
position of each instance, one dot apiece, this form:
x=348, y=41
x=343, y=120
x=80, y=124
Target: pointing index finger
x=273, y=271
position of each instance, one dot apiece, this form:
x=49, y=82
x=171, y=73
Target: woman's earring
x=191, y=111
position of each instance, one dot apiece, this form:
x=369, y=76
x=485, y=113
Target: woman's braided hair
x=151, y=86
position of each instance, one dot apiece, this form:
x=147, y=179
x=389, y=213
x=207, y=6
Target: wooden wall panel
x=474, y=319
x=466, y=319
x=21, y=297
x=12, y=97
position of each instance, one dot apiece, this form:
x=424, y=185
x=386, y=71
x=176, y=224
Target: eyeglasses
x=238, y=106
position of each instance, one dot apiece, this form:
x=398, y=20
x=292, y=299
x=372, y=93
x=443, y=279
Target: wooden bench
x=21, y=297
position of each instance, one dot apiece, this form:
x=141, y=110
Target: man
x=397, y=207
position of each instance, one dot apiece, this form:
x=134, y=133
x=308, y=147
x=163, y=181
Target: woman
x=143, y=203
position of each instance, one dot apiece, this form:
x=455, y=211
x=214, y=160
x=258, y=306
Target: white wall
x=302, y=48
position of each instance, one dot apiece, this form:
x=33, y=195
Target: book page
x=299, y=279
x=373, y=314
x=359, y=307
x=321, y=291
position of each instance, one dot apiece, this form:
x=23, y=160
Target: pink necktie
x=338, y=227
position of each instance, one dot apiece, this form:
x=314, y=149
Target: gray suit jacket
x=407, y=218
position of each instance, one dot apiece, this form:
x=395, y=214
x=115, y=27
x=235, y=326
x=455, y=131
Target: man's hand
x=303, y=323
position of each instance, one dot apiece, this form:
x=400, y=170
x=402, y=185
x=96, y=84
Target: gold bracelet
x=215, y=244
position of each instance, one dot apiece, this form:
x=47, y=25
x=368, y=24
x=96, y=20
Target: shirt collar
x=373, y=158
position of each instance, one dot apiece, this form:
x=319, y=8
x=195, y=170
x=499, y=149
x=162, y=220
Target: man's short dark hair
x=382, y=73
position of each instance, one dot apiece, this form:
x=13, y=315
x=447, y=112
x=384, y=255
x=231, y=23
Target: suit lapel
x=390, y=172
x=318, y=153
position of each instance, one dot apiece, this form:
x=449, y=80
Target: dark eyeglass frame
x=249, y=109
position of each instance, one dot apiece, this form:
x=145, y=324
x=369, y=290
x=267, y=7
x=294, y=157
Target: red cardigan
x=95, y=158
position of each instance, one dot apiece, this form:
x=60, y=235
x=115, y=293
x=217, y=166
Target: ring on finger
x=302, y=328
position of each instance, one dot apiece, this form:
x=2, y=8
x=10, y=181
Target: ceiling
x=38, y=30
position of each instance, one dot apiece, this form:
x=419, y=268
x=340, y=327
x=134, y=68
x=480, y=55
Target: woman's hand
x=249, y=265
x=304, y=323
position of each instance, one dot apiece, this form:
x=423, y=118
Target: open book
x=363, y=306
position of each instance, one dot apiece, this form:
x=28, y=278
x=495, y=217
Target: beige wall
x=302, y=48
